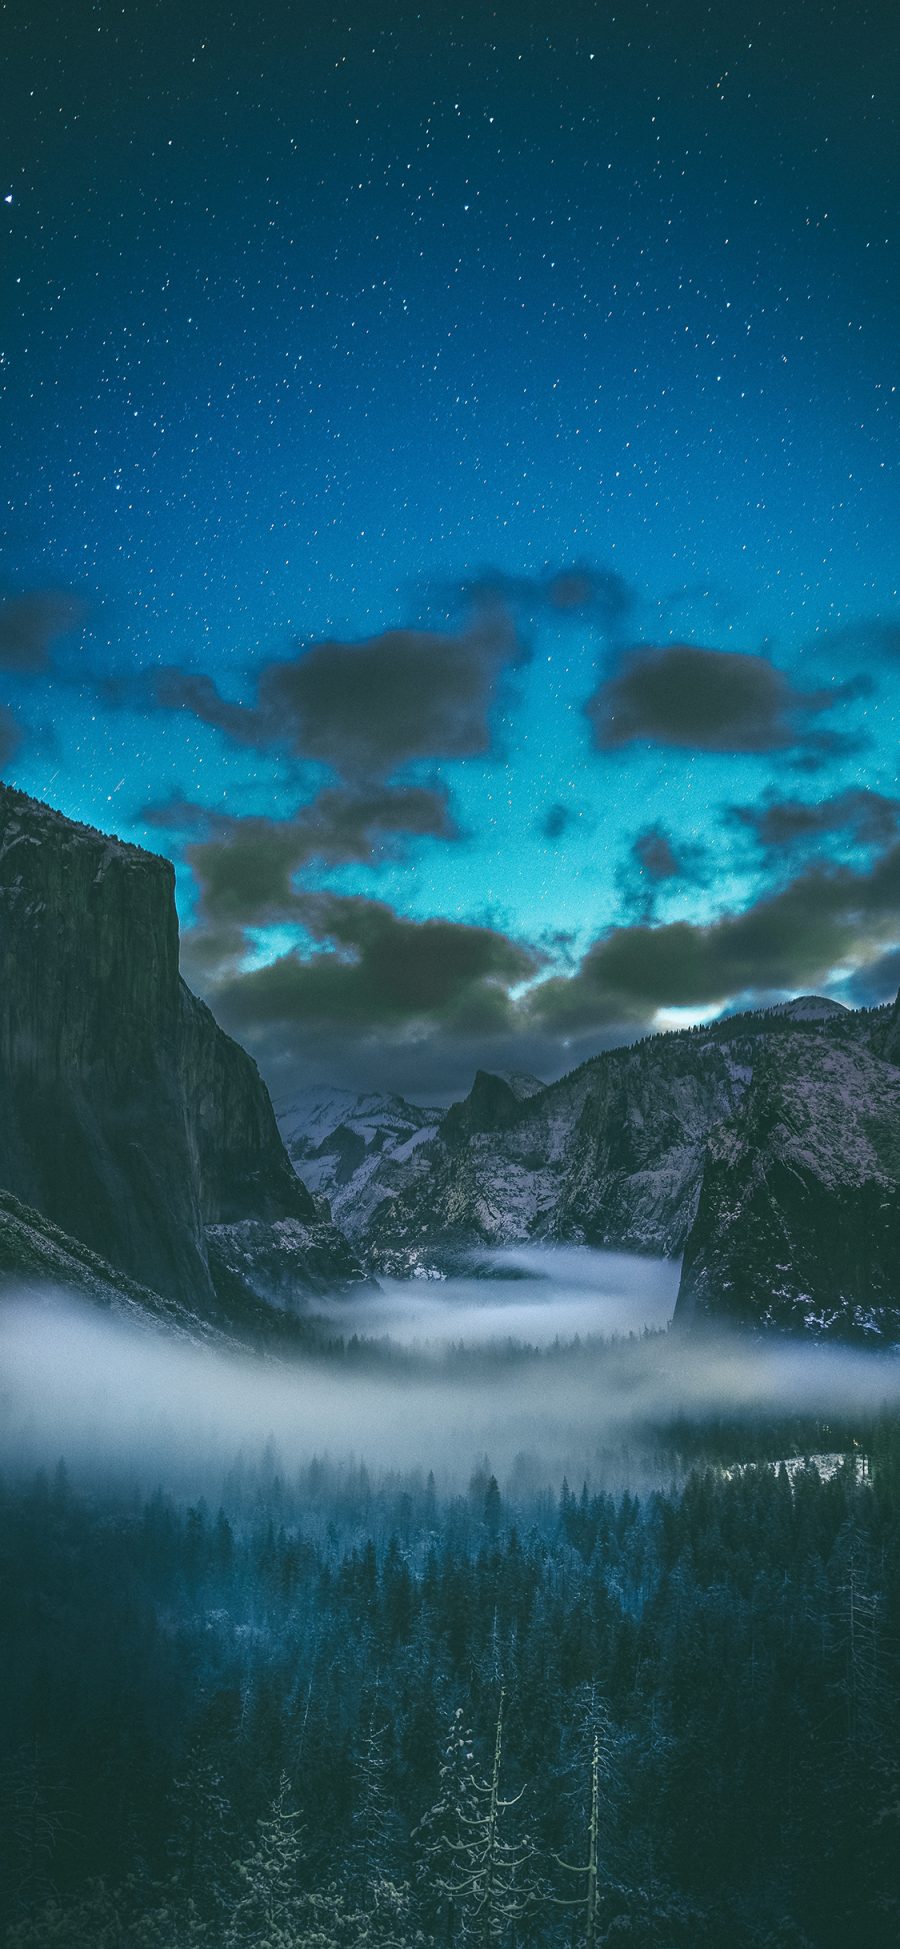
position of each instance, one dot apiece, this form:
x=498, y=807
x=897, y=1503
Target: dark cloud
x=199, y=696
x=423, y=1063
x=877, y=982
x=177, y=813
x=657, y=860
x=366, y=709
x=11, y=735
x=818, y=749
x=375, y=969
x=786, y=941
x=556, y=820
x=371, y=996
x=710, y=700
x=654, y=852
x=30, y=624
x=871, y=637
x=245, y=868
x=597, y=595
x=559, y=819
x=864, y=817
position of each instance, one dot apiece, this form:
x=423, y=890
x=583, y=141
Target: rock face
x=766, y=1149
x=798, y=1217
x=609, y=1156
x=493, y=1102
x=127, y=1117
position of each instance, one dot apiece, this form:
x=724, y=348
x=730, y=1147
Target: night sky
x=451, y=506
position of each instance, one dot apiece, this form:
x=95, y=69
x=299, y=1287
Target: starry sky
x=450, y=506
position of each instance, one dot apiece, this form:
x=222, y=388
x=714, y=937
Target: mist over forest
x=560, y=1365
x=360, y=1647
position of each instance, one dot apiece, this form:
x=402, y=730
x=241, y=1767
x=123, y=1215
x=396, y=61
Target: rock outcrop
x=612, y=1155
x=493, y=1102
x=127, y=1117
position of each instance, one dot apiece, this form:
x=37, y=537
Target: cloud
x=199, y=696
x=556, y=820
x=789, y=939
x=868, y=636
x=377, y=969
x=373, y=998
x=177, y=813
x=655, y=854
x=29, y=625
x=711, y=700
x=597, y=595
x=559, y=819
x=367, y=708
x=867, y=818
x=368, y=997
x=245, y=868
x=656, y=860
x=877, y=982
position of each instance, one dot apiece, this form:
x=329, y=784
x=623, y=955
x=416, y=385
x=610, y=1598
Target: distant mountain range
x=765, y=1149
x=353, y=1150
x=141, y=1162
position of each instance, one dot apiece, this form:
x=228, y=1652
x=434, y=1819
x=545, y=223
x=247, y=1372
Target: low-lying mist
x=473, y=1368
x=539, y=1294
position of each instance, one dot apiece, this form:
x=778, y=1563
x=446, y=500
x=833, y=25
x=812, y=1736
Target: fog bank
x=540, y=1294
x=111, y=1395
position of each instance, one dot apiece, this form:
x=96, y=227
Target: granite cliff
x=797, y=1224
x=128, y=1119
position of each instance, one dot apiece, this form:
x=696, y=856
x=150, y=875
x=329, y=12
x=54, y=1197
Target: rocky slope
x=36, y=1257
x=352, y=1149
x=798, y=1216
x=128, y=1119
x=763, y=1148
x=609, y=1156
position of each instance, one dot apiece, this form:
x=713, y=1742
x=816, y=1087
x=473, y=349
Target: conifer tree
x=589, y=1869
x=371, y=1836
x=488, y=1877
x=269, y=1875
x=440, y=1831
x=593, y=1732
x=202, y=1829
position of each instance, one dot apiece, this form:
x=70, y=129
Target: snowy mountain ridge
x=339, y=1142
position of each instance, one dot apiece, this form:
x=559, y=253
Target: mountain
x=610, y=1155
x=492, y=1102
x=128, y=1119
x=765, y=1148
x=352, y=1149
x=138, y=1143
